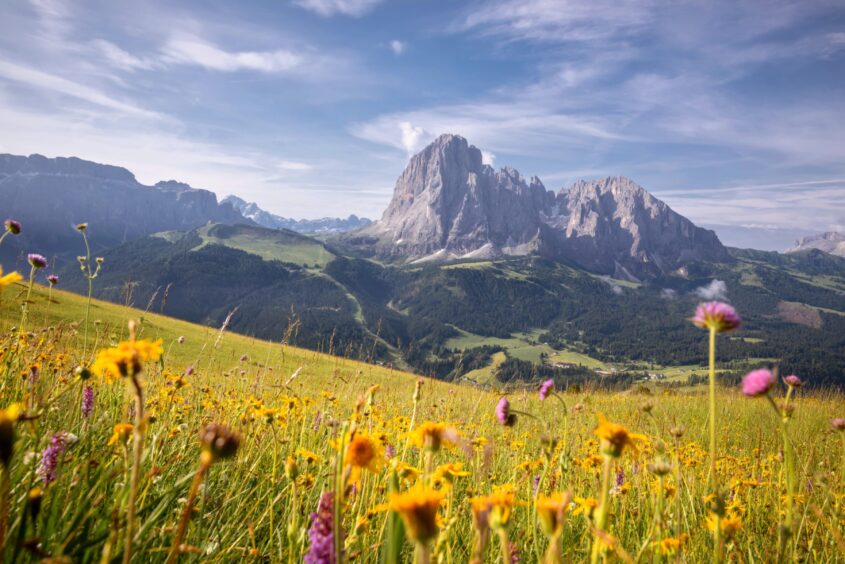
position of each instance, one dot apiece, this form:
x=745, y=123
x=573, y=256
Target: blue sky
x=732, y=112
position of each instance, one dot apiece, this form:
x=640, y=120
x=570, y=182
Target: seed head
x=218, y=442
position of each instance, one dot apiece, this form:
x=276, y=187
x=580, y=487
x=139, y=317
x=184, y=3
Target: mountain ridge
x=831, y=242
x=252, y=211
x=447, y=204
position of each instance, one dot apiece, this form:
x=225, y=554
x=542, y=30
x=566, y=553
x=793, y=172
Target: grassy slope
x=275, y=245
x=109, y=323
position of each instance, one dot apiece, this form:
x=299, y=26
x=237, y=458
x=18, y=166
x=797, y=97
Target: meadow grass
x=305, y=422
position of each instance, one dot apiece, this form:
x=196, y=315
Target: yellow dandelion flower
x=615, y=437
x=498, y=506
x=585, y=506
x=448, y=472
x=125, y=359
x=363, y=453
x=551, y=511
x=122, y=433
x=670, y=546
x=9, y=279
x=418, y=509
x=433, y=436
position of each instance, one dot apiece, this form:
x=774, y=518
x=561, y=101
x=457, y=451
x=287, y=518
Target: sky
x=732, y=112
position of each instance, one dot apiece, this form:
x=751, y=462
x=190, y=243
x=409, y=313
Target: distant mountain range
x=448, y=205
x=831, y=242
x=470, y=273
x=251, y=211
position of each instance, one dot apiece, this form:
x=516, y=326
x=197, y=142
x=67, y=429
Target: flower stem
x=714, y=482
x=186, y=513
x=137, y=450
x=601, y=510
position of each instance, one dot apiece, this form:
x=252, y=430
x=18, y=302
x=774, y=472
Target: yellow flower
x=615, y=437
x=363, y=452
x=125, y=359
x=448, y=472
x=8, y=418
x=586, y=505
x=498, y=506
x=433, y=435
x=406, y=471
x=551, y=510
x=418, y=509
x=9, y=279
x=730, y=524
x=308, y=456
x=122, y=433
x=671, y=545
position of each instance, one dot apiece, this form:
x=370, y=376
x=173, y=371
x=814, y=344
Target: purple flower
x=321, y=533
x=620, y=478
x=718, y=316
x=12, y=226
x=189, y=371
x=389, y=451
x=758, y=382
x=838, y=424
x=53, y=279
x=37, y=261
x=546, y=388
x=87, y=401
x=48, y=470
x=793, y=381
x=503, y=412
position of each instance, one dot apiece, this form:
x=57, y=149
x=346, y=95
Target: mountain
x=447, y=204
x=50, y=196
x=272, y=221
x=831, y=242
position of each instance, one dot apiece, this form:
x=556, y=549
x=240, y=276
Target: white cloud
x=121, y=58
x=327, y=8
x=398, y=47
x=195, y=51
x=45, y=81
x=488, y=158
x=716, y=290
x=668, y=294
x=412, y=138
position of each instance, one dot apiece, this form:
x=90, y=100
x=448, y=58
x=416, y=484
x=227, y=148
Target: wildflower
x=547, y=388
x=614, y=437
x=670, y=546
x=33, y=502
x=9, y=279
x=498, y=505
x=728, y=525
x=48, y=470
x=87, y=401
x=551, y=510
x=218, y=442
x=12, y=226
x=181, y=339
x=716, y=316
x=121, y=434
x=363, y=453
x=793, y=381
x=8, y=418
x=81, y=226
x=448, y=472
x=321, y=533
x=53, y=279
x=37, y=261
x=433, y=435
x=758, y=382
x=503, y=413
x=838, y=424
x=418, y=509
x=125, y=359
x=586, y=506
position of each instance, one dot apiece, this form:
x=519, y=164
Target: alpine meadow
x=645, y=363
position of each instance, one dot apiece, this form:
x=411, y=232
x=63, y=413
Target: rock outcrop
x=831, y=242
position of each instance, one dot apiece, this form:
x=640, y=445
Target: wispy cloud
x=195, y=51
x=398, y=47
x=326, y=8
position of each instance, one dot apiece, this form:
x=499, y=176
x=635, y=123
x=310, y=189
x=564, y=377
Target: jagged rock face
x=831, y=242
x=447, y=204
x=614, y=225
x=272, y=221
x=50, y=196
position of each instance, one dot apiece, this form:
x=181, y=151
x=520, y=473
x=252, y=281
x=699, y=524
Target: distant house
x=564, y=365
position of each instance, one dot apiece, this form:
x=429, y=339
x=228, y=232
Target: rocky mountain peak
x=832, y=242
x=447, y=204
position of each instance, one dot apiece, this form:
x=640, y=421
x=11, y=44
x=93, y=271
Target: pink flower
x=793, y=381
x=758, y=382
x=36, y=260
x=503, y=413
x=838, y=424
x=546, y=388
x=716, y=315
